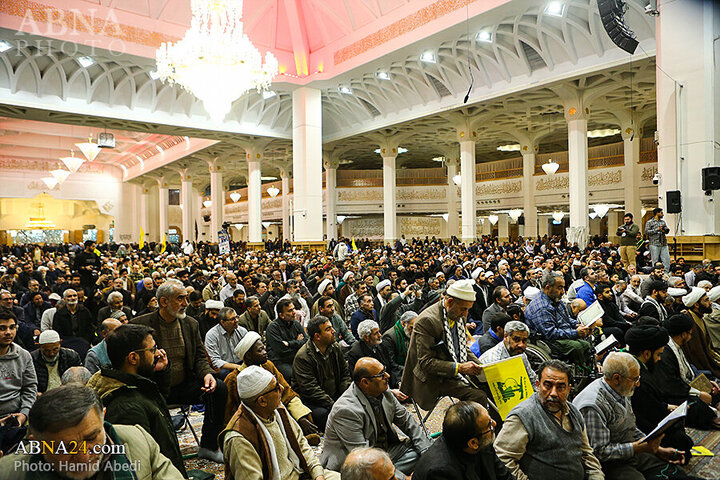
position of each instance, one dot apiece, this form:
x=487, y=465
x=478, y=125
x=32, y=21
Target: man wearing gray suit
x=364, y=417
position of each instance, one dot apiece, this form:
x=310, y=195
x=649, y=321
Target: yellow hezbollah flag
x=96, y=252
x=509, y=383
x=164, y=244
x=353, y=244
x=141, y=244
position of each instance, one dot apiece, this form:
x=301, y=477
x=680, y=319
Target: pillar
x=594, y=226
x=453, y=222
x=307, y=165
x=217, y=197
x=529, y=207
x=503, y=227
x=331, y=199
x=688, y=106
x=467, y=189
x=578, y=171
x=197, y=208
x=543, y=225
x=614, y=220
x=254, y=197
x=162, y=208
x=187, y=202
x=631, y=135
x=389, y=195
x=144, y=204
x=485, y=227
x=285, y=185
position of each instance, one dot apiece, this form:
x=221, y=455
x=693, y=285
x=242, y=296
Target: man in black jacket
x=464, y=450
x=51, y=360
x=369, y=345
x=613, y=321
x=127, y=389
x=87, y=263
x=74, y=323
x=284, y=337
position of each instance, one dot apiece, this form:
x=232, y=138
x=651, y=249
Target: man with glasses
x=612, y=430
x=366, y=416
x=464, y=450
x=221, y=340
x=129, y=390
x=261, y=440
x=190, y=377
x=368, y=464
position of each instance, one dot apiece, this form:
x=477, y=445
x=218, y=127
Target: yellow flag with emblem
x=354, y=247
x=97, y=252
x=509, y=383
x=164, y=244
x=141, y=243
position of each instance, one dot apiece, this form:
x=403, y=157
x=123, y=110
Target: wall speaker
x=711, y=178
x=673, y=201
x=611, y=15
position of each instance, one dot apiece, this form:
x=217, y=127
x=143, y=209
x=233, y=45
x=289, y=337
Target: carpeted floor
x=704, y=467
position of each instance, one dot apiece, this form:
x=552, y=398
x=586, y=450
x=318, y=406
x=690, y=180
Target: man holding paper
x=620, y=446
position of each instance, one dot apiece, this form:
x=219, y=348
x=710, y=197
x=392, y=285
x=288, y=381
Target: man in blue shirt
x=586, y=291
x=547, y=316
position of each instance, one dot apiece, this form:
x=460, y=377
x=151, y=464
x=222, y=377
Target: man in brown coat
x=699, y=349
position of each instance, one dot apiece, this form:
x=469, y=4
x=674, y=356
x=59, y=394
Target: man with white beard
x=191, y=378
x=301, y=307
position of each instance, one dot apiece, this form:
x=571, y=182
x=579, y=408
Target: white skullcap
x=704, y=283
x=692, y=298
x=382, y=284
x=714, y=293
x=323, y=285
x=531, y=292
x=55, y=296
x=462, y=290
x=252, y=381
x=213, y=305
x=476, y=273
x=468, y=262
x=246, y=344
x=676, y=292
x=347, y=275
x=489, y=273
x=437, y=275
x=48, y=336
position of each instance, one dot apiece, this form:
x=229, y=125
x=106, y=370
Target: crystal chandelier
x=550, y=167
x=601, y=209
x=60, y=175
x=72, y=162
x=273, y=191
x=235, y=196
x=558, y=216
x=215, y=60
x=50, y=182
x=493, y=219
x=515, y=213
x=89, y=149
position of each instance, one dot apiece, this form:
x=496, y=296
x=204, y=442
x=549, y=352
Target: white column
x=197, y=208
x=254, y=201
x=162, y=208
x=187, y=202
x=485, y=227
x=331, y=201
x=688, y=111
x=543, y=225
x=467, y=190
x=285, y=184
x=453, y=222
x=307, y=165
x=578, y=170
x=612, y=225
x=144, y=204
x=529, y=208
x=503, y=227
x=217, y=197
x=594, y=225
x=389, y=202
x=631, y=173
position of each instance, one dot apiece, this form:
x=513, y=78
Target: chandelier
x=50, y=182
x=215, y=60
x=550, y=167
x=493, y=219
x=515, y=213
x=558, y=216
x=89, y=149
x=60, y=175
x=601, y=209
x=273, y=191
x=72, y=162
x=235, y=196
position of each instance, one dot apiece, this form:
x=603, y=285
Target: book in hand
x=591, y=314
x=606, y=345
x=675, y=416
x=702, y=383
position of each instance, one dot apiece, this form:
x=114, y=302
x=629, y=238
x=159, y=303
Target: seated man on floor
x=699, y=349
x=515, y=338
x=439, y=361
x=367, y=464
x=366, y=416
x=547, y=316
x=18, y=389
x=544, y=437
x=284, y=337
x=370, y=345
x=51, y=360
x=465, y=448
x=221, y=340
x=493, y=335
x=261, y=440
x=612, y=430
x=320, y=371
x=251, y=351
x=128, y=390
x=97, y=356
x=397, y=338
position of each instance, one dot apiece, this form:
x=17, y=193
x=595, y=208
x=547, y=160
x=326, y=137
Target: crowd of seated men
x=286, y=349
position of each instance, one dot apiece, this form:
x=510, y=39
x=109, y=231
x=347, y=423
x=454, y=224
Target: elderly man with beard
x=80, y=422
x=370, y=345
x=464, y=450
x=51, y=360
x=699, y=349
x=191, y=378
x=397, y=338
x=544, y=436
x=612, y=429
x=439, y=361
x=515, y=338
x=74, y=322
x=128, y=388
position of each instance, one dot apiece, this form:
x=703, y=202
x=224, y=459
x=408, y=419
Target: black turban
x=678, y=324
x=646, y=337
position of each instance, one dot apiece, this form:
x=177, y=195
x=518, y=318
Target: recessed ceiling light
x=484, y=36
x=428, y=56
x=604, y=132
x=438, y=159
x=346, y=90
x=402, y=150
x=86, y=62
x=5, y=46
x=154, y=74
x=269, y=179
x=383, y=75
x=555, y=8
x=509, y=148
x=268, y=94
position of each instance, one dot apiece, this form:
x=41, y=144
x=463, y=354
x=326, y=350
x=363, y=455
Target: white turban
x=437, y=275
x=476, y=273
x=246, y=344
x=489, y=273
x=704, y=283
x=346, y=276
x=213, y=304
x=676, y=292
x=323, y=285
x=382, y=284
x=463, y=290
x=714, y=293
x=531, y=292
x=252, y=381
x=692, y=298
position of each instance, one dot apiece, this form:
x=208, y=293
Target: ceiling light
x=340, y=219
x=153, y=74
x=604, y=132
x=509, y=148
x=484, y=36
x=266, y=224
x=515, y=213
x=428, y=56
x=235, y=196
x=550, y=167
x=346, y=90
x=273, y=191
x=268, y=179
x=268, y=94
x=72, y=162
x=383, y=75
x=493, y=219
x=445, y=216
x=86, y=62
x=51, y=182
x=89, y=149
x=456, y=179
x=601, y=209
x=60, y=175
x=555, y=8
x=5, y=46
x=438, y=159
x=592, y=215
x=207, y=203
x=558, y=216
x=402, y=150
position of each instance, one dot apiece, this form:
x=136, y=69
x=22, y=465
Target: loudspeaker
x=521, y=220
x=611, y=16
x=673, y=201
x=711, y=178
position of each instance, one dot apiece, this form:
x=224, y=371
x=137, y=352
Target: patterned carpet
x=704, y=467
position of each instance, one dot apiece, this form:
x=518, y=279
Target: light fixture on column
x=50, y=182
x=72, y=162
x=60, y=175
x=456, y=179
x=235, y=196
x=89, y=149
x=266, y=225
x=493, y=219
x=601, y=209
x=592, y=215
x=558, y=216
x=207, y=203
x=550, y=167
x=340, y=219
x=515, y=214
x=445, y=216
x=273, y=191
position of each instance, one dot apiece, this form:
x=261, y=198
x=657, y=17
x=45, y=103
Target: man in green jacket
x=127, y=390
x=629, y=234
